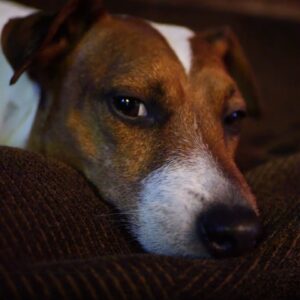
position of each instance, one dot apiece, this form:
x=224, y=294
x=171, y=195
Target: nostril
x=220, y=241
x=228, y=231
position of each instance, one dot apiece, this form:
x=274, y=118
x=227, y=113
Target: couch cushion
x=50, y=212
x=60, y=240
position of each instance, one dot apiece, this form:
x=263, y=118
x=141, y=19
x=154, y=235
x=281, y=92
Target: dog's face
x=154, y=125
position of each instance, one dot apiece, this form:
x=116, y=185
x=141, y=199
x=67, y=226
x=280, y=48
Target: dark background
x=269, y=31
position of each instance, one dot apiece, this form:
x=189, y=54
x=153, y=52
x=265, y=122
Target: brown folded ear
x=226, y=44
x=37, y=40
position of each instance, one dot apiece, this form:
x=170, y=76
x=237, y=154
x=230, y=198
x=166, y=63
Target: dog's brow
x=230, y=91
x=233, y=96
x=178, y=38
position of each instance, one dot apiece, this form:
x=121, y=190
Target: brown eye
x=129, y=107
x=233, y=121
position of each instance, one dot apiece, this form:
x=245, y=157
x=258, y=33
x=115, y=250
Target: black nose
x=229, y=231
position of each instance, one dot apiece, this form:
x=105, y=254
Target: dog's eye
x=234, y=117
x=129, y=107
x=233, y=120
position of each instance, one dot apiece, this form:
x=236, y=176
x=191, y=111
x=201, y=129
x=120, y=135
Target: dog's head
x=150, y=114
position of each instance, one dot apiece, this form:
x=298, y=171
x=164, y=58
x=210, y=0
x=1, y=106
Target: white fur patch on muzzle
x=171, y=199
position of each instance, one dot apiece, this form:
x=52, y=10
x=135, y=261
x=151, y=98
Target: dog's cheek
x=83, y=133
x=135, y=150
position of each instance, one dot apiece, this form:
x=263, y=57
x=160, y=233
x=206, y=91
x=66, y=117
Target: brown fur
x=79, y=71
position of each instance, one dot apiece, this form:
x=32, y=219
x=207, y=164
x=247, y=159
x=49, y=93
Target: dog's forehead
x=174, y=39
x=138, y=54
x=179, y=39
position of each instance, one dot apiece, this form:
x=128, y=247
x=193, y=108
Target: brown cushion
x=58, y=239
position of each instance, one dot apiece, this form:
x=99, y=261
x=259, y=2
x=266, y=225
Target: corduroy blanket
x=59, y=240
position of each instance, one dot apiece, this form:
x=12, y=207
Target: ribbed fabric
x=46, y=204
x=59, y=240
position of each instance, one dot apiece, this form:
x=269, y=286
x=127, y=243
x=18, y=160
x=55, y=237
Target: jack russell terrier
x=149, y=113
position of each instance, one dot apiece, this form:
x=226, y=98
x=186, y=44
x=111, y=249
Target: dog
x=150, y=113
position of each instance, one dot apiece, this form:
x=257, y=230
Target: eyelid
x=234, y=102
x=126, y=92
x=231, y=91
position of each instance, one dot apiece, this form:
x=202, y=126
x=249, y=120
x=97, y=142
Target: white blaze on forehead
x=178, y=38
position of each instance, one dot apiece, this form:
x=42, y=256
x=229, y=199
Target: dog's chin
x=154, y=242
x=186, y=251
x=162, y=230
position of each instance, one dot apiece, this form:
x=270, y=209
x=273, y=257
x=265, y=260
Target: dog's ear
x=39, y=39
x=226, y=44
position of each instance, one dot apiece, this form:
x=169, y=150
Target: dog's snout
x=228, y=231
